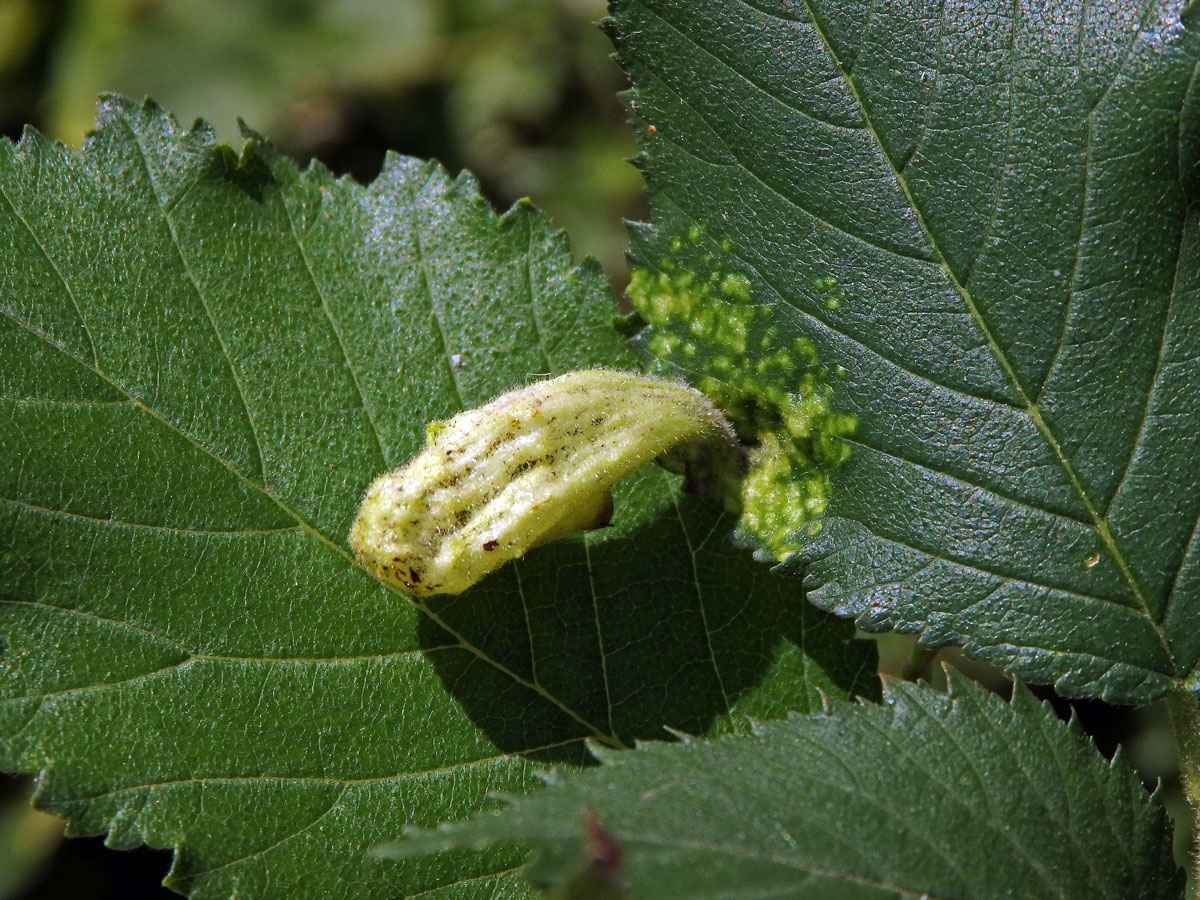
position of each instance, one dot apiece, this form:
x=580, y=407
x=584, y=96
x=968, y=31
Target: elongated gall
x=534, y=465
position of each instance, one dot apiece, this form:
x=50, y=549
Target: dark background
x=521, y=92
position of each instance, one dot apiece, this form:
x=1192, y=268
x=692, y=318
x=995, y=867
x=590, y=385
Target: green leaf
x=964, y=797
x=205, y=357
x=978, y=222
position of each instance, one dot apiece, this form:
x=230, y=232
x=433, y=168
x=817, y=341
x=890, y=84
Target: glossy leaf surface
x=980, y=215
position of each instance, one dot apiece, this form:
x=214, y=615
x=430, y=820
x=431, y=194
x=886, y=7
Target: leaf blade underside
x=982, y=213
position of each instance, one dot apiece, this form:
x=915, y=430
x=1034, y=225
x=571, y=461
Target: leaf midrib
x=258, y=778
x=313, y=532
x=336, y=327
x=1099, y=522
x=54, y=267
x=908, y=368
x=262, y=488
x=1095, y=519
x=195, y=285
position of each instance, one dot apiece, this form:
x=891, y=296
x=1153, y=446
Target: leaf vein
x=1099, y=522
x=763, y=89
x=62, y=278
x=427, y=282
x=171, y=426
x=698, y=583
x=1006, y=170
x=1077, y=264
x=148, y=526
x=1036, y=784
x=56, y=403
x=1135, y=33
x=605, y=738
x=852, y=789
x=279, y=843
x=1189, y=548
x=965, y=482
x=1042, y=723
x=715, y=850
x=257, y=778
x=88, y=614
x=533, y=306
x=1000, y=829
x=135, y=140
x=878, y=354
x=337, y=333
x=981, y=570
x=930, y=101
x=1160, y=352
x=791, y=201
x=100, y=685
x=600, y=649
x=498, y=874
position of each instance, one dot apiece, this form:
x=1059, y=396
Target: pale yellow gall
x=534, y=465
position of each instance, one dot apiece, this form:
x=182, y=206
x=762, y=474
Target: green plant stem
x=1185, y=720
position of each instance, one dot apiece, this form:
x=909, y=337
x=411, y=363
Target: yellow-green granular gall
x=832, y=291
x=777, y=394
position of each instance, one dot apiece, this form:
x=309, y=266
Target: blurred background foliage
x=521, y=92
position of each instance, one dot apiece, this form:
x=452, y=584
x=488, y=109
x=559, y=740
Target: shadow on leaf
x=657, y=622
